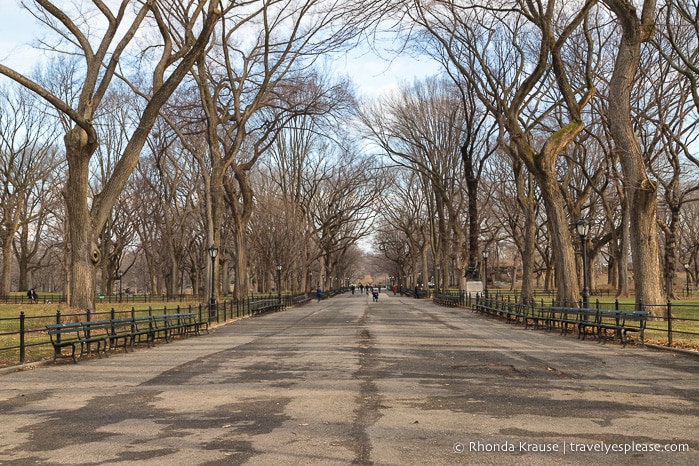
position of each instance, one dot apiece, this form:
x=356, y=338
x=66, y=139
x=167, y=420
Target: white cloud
x=375, y=75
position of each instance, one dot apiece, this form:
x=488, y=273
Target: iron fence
x=24, y=338
x=672, y=324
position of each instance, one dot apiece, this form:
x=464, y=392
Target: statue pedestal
x=473, y=288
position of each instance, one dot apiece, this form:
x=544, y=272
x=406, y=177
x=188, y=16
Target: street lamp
x=439, y=277
x=119, y=274
x=583, y=229
x=486, y=253
x=213, y=252
x=686, y=274
x=279, y=282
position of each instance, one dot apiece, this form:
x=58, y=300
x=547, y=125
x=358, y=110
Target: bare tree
x=100, y=37
x=423, y=128
x=256, y=78
x=520, y=80
x=678, y=41
x=642, y=190
x=27, y=159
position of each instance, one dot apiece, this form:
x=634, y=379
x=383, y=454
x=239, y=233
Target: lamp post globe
x=279, y=282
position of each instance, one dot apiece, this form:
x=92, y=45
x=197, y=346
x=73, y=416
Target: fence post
x=22, y=351
x=56, y=349
x=669, y=323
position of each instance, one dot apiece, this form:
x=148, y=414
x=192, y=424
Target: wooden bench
x=265, y=305
x=142, y=326
x=192, y=325
x=122, y=332
x=588, y=323
x=602, y=324
x=78, y=333
x=448, y=300
x=64, y=336
x=621, y=323
x=96, y=331
x=553, y=317
x=168, y=326
x=538, y=317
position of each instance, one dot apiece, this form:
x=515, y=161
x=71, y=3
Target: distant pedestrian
x=319, y=293
x=31, y=294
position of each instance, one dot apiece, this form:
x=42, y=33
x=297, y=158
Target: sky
x=372, y=74
x=16, y=31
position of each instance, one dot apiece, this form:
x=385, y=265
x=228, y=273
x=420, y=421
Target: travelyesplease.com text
x=569, y=447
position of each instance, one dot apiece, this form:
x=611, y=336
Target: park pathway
x=350, y=381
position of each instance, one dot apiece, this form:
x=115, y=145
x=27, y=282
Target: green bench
x=122, y=332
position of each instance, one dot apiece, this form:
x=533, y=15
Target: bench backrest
x=59, y=331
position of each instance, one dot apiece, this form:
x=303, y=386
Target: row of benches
x=123, y=332
x=448, y=300
x=602, y=324
x=261, y=306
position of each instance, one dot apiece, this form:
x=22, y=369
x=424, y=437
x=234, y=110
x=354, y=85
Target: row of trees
x=310, y=209
x=166, y=111
x=192, y=123
x=590, y=110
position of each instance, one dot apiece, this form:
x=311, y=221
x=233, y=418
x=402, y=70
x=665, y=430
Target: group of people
x=369, y=289
x=374, y=290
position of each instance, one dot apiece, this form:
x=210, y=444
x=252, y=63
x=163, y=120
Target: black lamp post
x=439, y=278
x=213, y=252
x=119, y=274
x=486, y=253
x=583, y=229
x=279, y=282
x=686, y=274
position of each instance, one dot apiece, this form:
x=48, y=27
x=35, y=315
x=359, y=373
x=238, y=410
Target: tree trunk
x=525, y=200
x=6, y=283
x=84, y=254
x=474, y=223
x=642, y=191
x=564, y=257
x=623, y=263
x=528, y=256
x=241, y=262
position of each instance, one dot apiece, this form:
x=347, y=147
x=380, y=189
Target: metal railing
x=671, y=324
x=24, y=339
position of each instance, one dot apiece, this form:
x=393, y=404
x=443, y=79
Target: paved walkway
x=350, y=381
